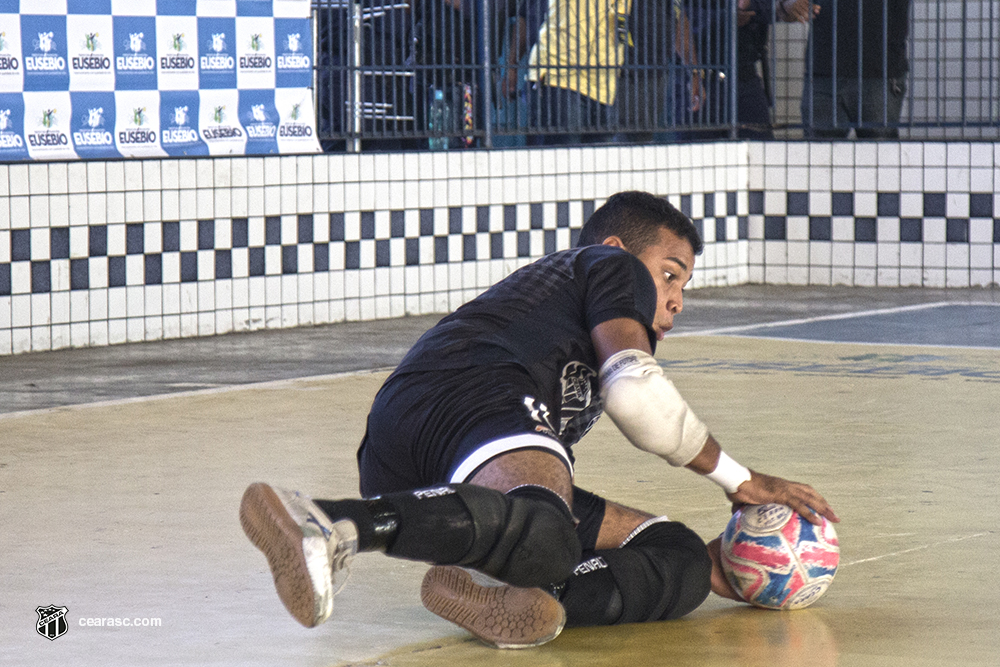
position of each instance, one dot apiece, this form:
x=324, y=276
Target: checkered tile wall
x=107, y=252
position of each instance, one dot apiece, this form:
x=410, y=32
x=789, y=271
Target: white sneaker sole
x=304, y=549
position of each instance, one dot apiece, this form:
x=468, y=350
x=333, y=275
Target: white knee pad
x=648, y=409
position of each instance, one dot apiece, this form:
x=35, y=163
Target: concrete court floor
x=127, y=508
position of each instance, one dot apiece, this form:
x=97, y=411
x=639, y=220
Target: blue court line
x=938, y=324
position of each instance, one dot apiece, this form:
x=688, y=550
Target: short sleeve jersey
x=539, y=318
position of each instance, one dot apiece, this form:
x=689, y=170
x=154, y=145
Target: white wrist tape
x=728, y=473
x=648, y=409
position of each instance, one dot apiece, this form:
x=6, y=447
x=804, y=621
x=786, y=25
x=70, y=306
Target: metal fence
x=418, y=74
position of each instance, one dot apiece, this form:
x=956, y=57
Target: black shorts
x=439, y=427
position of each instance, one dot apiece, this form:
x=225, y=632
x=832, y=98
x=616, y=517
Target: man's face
x=670, y=261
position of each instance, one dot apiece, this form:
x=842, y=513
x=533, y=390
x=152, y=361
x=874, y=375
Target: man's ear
x=614, y=241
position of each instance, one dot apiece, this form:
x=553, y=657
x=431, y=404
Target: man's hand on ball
x=761, y=489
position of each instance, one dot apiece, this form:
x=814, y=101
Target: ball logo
x=178, y=60
x=48, y=136
x=766, y=518
x=293, y=59
x=47, y=61
x=138, y=135
x=92, y=135
x=218, y=60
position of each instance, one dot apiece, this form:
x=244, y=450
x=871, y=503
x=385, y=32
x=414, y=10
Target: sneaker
x=308, y=554
x=501, y=615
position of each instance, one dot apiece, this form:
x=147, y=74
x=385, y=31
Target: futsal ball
x=776, y=559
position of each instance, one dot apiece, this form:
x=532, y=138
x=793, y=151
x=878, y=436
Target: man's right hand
x=761, y=489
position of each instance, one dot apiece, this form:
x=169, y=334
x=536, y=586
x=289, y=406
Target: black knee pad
x=663, y=572
x=681, y=558
x=534, y=545
x=525, y=538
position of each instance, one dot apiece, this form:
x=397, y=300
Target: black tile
x=337, y=226
x=732, y=203
x=455, y=220
x=5, y=286
x=427, y=222
x=888, y=204
x=537, y=216
x=996, y=230
x=496, y=245
x=911, y=230
x=153, y=269
x=440, y=249
x=510, y=217
x=574, y=236
x=397, y=224
x=223, y=264
x=59, y=243
x=935, y=205
x=743, y=228
x=189, y=267
x=255, y=261
x=305, y=228
x=206, y=234
x=20, y=245
x=352, y=255
x=79, y=274
x=482, y=218
x=865, y=230
x=709, y=199
x=171, y=238
x=957, y=230
x=562, y=214
x=550, y=241
x=588, y=209
x=775, y=228
x=412, y=252
x=686, y=205
x=289, y=259
x=843, y=203
x=272, y=230
x=321, y=257
x=382, y=254
x=756, y=202
x=116, y=271
x=367, y=224
x=41, y=277
x=135, y=239
x=720, y=230
x=523, y=244
x=469, y=247
x=797, y=203
x=241, y=233
x=981, y=205
x=820, y=228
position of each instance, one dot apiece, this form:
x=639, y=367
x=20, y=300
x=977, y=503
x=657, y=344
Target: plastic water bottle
x=439, y=122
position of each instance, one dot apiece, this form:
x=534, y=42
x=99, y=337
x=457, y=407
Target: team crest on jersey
x=579, y=410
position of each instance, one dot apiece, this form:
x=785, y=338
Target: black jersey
x=539, y=319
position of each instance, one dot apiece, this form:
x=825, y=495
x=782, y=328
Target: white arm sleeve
x=648, y=409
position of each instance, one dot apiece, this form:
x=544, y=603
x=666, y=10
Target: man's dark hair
x=636, y=218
